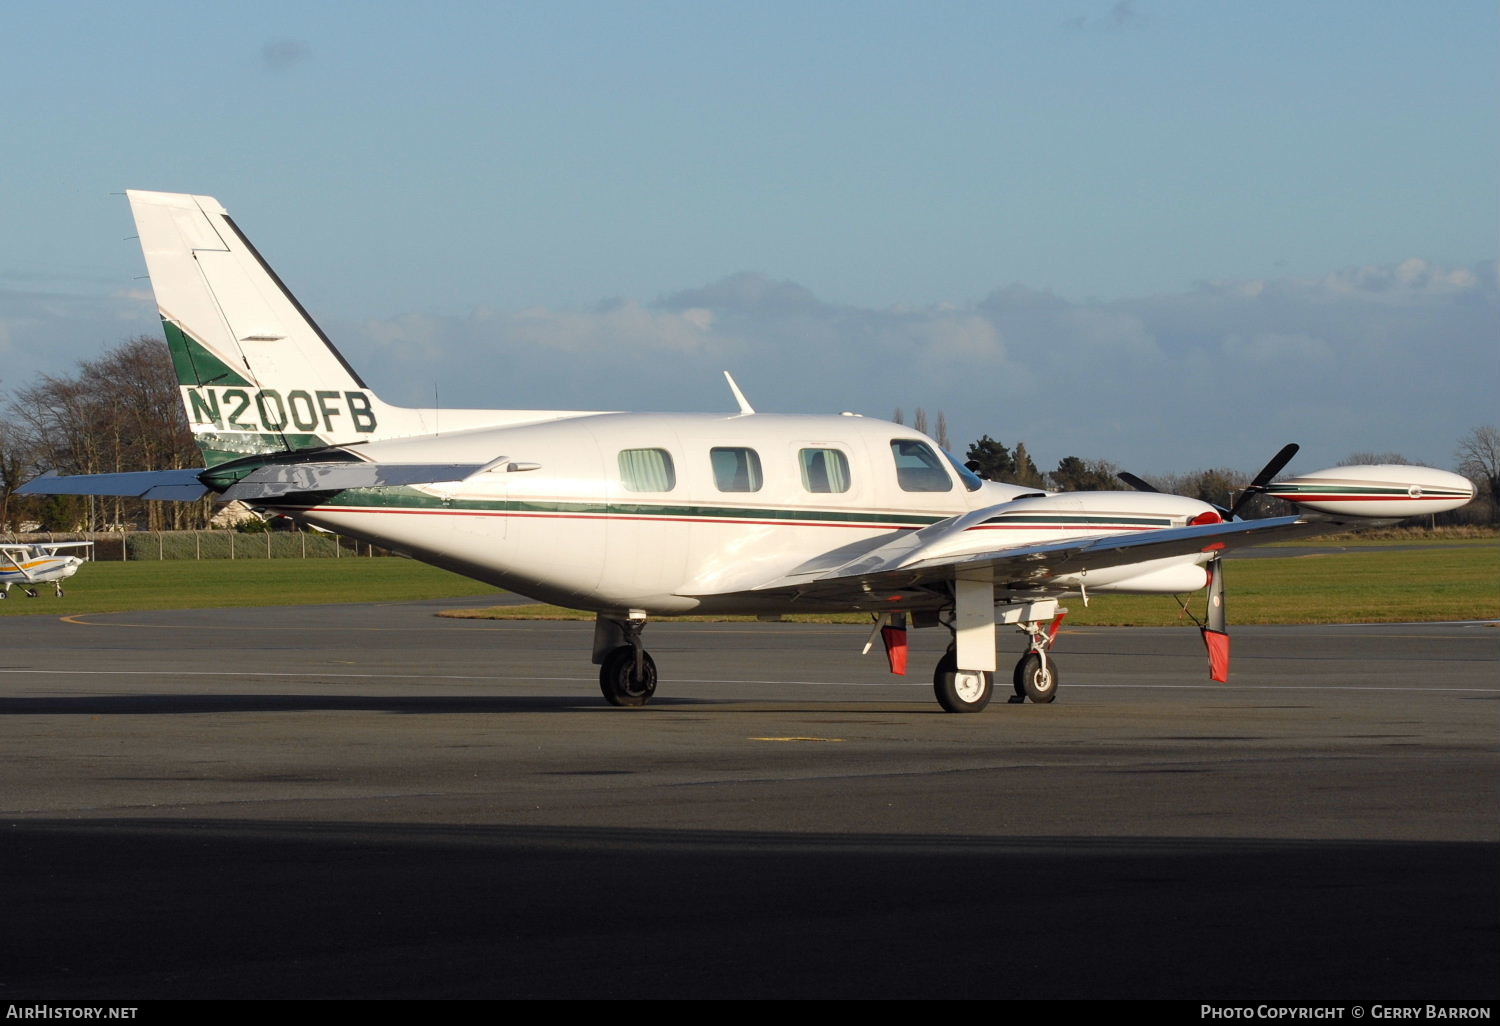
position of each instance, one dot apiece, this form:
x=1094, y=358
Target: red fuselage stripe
x=595, y=516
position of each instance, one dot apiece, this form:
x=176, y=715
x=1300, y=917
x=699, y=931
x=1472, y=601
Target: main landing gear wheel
x=961, y=691
x=1035, y=678
x=619, y=681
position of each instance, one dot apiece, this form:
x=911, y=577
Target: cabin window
x=647, y=470
x=918, y=468
x=736, y=470
x=824, y=470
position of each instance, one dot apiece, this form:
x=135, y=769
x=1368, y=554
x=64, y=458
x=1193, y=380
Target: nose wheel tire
x=1035, y=679
x=961, y=691
x=619, y=681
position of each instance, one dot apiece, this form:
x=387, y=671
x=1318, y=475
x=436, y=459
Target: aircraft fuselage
x=658, y=512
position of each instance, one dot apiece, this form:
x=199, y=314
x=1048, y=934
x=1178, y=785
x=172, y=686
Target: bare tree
x=1479, y=460
x=1364, y=459
x=15, y=461
x=120, y=413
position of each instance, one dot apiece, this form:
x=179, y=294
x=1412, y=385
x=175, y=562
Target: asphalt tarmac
x=368, y=801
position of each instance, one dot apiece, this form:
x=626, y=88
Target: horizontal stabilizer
x=264, y=483
x=274, y=481
x=158, y=485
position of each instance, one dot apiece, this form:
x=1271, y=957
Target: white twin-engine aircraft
x=634, y=515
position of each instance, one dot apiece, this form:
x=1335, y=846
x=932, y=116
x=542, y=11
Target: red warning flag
x=895, y=647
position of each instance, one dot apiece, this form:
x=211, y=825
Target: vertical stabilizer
x=257, y=374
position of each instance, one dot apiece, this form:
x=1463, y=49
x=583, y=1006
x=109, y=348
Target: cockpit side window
x=824, y=470
x=918, y=468
x=736, y=470
x=647, y=470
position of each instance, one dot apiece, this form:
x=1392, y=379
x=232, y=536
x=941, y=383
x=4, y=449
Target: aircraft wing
x=906, y=562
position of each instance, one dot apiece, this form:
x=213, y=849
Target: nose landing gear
x=1035, y=676
x=627, y=673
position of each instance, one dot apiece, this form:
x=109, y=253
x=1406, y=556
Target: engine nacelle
x=1061, y=517
x=1385, y=491
x=1176, y=576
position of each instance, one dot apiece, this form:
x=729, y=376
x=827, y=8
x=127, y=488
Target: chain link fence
x=116, y=546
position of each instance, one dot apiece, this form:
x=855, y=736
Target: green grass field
x=191, y=584
x=1445, y=581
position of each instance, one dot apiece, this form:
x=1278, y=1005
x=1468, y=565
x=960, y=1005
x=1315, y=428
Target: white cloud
x=1399, y=358
x=619, y=324
x=1279, y=350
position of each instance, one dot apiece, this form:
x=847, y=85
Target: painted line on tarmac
x=498, y=678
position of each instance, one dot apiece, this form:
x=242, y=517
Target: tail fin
x=256, y=374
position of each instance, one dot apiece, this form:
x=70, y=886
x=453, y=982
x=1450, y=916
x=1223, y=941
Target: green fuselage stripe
x=410, y=499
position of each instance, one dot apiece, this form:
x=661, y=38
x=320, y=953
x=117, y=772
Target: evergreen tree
x=1075, y=475
x=994, y=461
x=1025, y=471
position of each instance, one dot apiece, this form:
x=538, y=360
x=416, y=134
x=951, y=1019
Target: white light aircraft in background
x=28, y=564
x=634, y=516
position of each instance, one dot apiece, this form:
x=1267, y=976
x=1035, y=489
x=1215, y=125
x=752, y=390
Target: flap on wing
x=276, y=480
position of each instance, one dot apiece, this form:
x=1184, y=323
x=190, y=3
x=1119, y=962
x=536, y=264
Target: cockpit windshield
x=972, y=481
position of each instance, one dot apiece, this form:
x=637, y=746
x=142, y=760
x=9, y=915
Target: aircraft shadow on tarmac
x=174, y=704
x=251, y=908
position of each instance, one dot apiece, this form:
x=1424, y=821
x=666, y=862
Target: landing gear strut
x=627, y=673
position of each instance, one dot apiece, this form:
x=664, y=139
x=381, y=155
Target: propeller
x=1139, y=484
x=1255, y=487
x=1262, y=479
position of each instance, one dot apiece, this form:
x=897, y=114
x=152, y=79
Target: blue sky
x=1161, y=232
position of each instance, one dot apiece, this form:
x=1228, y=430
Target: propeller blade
x=1269, y=471
x=1139, y=484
